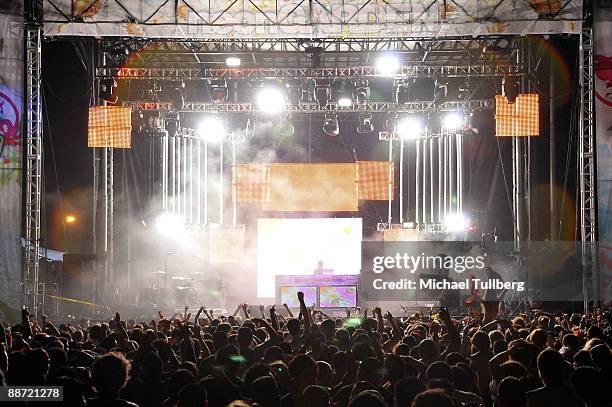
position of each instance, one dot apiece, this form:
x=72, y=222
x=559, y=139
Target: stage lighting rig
x=177, y=95
x=212, y=129
x=510, y=89
x=270, y=99
x=452, y=121
x=294, y=92
x=218, y=90
x=361, y=94
x=344, y=94
x=330, y=125
x=402, y=93
x=387, y=64
x=232, y=62
x=107, y=90
x=410, y=127
x=314, y=56
x=365, y=125
x=322, y=93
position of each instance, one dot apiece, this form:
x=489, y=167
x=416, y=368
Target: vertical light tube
x=221, y=183
x=173, y=155
x=440, y=180
x=191, y=181
x=431, y=178
x=401, y=183
x=424, y=191
x=205, y=184
x=417, y=182
x=459, y=173
x=389, y=217
x=199, y=184
x=451, y=175
x=178, y=176
x=445, y=164
x=165, y=172
x=185, y=179
x=234, y=205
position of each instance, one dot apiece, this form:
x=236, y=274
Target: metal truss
x=383, y=107
x=299, y=52
x=414, y=71
x=33, y=167
x=587, y=178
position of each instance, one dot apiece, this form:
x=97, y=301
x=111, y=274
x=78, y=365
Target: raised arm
x=304, y=312
x=288, y=310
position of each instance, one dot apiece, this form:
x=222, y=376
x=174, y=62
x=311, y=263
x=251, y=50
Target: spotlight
x=330, y=125
x=345, y=102
x=387, y=64
x=70, y=219
x=107, y=90
x=510, y=89
x=455, y=223
x=365, y=124
x=232, y=62
x=322, y=94
x=169, y=224
x=409, y=128
x=212, y=130
x=270, y=100
x=218, y=91
x=362, y=92
x=294, y=93
x=452, y=121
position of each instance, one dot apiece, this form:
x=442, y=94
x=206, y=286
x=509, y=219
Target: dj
x=319, y=271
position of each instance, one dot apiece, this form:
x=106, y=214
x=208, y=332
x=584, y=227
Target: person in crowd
x=315, y=360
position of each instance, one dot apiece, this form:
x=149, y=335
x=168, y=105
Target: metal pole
x=389, y=217
x=552, y=168
x=185, y=179
x=459, y=173
x=417, y=181
x=401, y=183
x=179, y=177
x=451, y=175
x=191, y=181
x=165, y=171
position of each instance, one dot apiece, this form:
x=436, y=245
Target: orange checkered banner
x=518, y=119
x=376, y=180
x=251, y=183
x=110, y=126
x=313, y=187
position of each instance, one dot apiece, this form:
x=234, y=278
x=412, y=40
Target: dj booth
x=324, y=291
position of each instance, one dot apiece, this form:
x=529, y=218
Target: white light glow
x=232, y=61
x=170, y=225
x=345, y=102
x=452, y=121
x=387, y=64
x=456, y=223
x=271, y=100
x=295, y=246
x=409, y=128
x=212, y=130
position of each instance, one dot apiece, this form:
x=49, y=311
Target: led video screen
x=338, y=296
x=288, y=295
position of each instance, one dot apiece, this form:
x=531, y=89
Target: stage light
x=232, y=62
x=270, y=100
x=322, y=94
x=361, y=93
x=107, y=90
x=218, y=91
x=212, y=129
x=365, y=124
x=409, y=128
x=452, y=121
x=387, y=64
x=169, y=224
x=294, y=92
x=330, y=125
x=455, y=223
x=510, y=89
x=345, y=102
x=70, y=219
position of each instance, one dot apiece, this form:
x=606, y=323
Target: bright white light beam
x=232, y=62
x=271, y=100
x=410, y=128
x=387, y=64
x=456, y=223
x=170, y=225
x=212, y=130
x=452, y=121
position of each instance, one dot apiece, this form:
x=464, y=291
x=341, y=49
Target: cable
x=501, y=162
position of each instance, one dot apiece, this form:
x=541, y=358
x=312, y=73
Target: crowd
x=275, y=359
